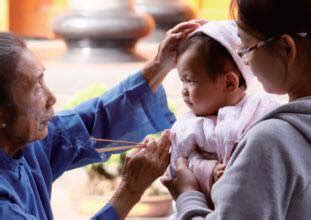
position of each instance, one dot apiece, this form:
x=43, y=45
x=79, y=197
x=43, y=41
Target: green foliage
x=84, y=95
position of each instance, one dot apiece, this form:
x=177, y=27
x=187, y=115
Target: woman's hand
x=218, y=171
x=156, y=69
x=142, y=167
x=184, y=180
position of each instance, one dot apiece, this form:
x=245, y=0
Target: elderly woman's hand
x=142, y=167
x=166, y=59
x=167, y=51
x=184, y=180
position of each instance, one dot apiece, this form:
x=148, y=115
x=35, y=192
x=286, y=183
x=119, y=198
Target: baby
x=215, y=81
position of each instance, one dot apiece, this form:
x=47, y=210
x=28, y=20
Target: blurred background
x=87, y=47
x=32, y=18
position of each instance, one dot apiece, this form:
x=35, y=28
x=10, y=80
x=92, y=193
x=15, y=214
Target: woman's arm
x=259, y=182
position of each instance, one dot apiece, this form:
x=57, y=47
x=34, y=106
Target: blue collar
x=10, y=163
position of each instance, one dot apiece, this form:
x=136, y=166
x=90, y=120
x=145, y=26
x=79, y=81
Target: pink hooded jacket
x=206, y=140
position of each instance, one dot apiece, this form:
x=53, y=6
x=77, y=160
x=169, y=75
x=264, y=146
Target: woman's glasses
x=242, y=52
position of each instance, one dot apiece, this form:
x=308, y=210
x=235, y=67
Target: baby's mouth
x=188, y=102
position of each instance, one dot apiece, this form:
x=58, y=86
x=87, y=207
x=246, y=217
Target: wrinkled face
x=202, y=95
x=267, y=64
x=34, y=101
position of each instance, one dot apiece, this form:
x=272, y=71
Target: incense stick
x=112, y=149
x=113, y=141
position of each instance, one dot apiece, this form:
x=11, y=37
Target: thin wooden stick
x=113, y=141
x=112, y=149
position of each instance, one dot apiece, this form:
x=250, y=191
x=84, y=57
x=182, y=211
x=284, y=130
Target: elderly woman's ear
x=2, y=118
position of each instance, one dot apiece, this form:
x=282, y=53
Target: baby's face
x=202, y=95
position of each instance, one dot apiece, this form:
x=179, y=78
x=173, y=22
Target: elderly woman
x=269, y=174
x=37, y=147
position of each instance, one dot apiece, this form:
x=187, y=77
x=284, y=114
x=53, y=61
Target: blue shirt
x=129, y=111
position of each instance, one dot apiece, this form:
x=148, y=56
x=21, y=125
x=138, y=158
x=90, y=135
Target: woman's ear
x=289, y=47
x=231, y=81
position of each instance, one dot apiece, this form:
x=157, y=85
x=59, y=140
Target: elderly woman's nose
x=51, y=99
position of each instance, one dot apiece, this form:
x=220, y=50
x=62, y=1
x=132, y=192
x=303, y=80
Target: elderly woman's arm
x=135, y=179
x=129, y=111
x=154, y=158
x=137, y=106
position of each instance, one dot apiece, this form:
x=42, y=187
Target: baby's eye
x=190, y=81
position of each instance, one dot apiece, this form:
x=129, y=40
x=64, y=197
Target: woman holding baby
x=268, y=175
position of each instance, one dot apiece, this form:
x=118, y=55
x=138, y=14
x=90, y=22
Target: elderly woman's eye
x=39, y=84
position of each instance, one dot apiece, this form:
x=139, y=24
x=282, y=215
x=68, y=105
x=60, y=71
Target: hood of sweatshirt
x=296, y=113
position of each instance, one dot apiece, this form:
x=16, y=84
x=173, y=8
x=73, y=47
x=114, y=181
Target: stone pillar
x=102, y=31
x=166, y=13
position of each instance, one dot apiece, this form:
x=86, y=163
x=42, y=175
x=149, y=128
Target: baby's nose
x=184, y=91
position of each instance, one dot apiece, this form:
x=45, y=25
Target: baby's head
x=212, y=77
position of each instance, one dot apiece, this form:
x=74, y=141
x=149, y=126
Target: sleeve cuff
x=191, y=204
x=155, y=102
x=106, y=213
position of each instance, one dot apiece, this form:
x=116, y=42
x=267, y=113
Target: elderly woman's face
x=33, y=99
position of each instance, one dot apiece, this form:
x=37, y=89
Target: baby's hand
x=218, y=171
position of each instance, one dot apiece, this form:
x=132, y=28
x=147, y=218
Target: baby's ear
x=231, y=81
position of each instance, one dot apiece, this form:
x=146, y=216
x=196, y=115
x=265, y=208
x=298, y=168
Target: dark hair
x=273, y=17
x=10, y=50
x=216, y=56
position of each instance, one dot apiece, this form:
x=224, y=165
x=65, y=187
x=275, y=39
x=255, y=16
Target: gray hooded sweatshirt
x=269, y=174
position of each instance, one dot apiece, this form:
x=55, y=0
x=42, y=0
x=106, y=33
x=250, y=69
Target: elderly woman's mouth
x=46, y=120
x=44, y=123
